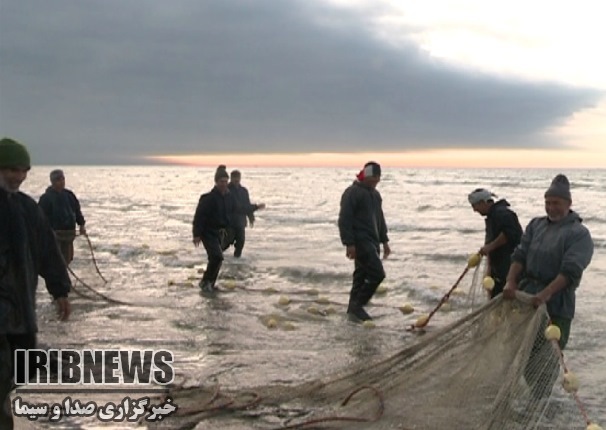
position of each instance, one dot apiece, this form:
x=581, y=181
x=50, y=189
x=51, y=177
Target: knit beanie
x=560, y=187
x=13, y=154
x=221, y=173
x=370, y=169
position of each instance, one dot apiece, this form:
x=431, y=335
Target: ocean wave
x=593, y=219
x=313, y=276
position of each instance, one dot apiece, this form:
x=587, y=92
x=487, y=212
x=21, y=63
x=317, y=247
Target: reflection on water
x=140, y=227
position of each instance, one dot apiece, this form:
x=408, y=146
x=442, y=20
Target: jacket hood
x=571, y=218
x=502, y=202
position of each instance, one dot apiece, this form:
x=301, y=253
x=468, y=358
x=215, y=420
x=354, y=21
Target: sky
x=428, y=83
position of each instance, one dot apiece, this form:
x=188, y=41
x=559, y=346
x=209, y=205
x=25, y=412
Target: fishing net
x=492, y=369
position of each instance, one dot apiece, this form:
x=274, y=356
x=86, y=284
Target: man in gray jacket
x=549, y=263
x=551, y=257
x=362, y=228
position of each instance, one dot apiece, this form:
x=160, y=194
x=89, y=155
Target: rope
x=375, y=418
x=88, y=287
x=84, y=284
x=92, y=254
x=227, y=405
x=443, y=300
x=103, y=296
x=81, y=294
x=556, y=346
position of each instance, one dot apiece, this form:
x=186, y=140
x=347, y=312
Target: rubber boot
x=206, y=287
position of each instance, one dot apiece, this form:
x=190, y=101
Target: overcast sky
x=111, y=81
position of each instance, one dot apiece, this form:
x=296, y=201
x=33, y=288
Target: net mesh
x=493, y=369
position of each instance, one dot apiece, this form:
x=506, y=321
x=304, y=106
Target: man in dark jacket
x=243, y=209
x=503, y=233
x=362, y=228
x=211, y=221
x=27, y=250
x=63, y=211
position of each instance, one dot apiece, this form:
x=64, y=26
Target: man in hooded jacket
x=548, y=264
x=551, y=257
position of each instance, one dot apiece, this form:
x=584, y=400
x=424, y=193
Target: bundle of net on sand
x=496, y=368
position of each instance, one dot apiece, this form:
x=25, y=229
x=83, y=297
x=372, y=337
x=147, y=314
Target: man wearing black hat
x=211, y=221
x=362, y=229
x=503, y=233
x=27, y=250
x=62, y=208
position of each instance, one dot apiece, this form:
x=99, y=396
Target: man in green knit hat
x=27, y=250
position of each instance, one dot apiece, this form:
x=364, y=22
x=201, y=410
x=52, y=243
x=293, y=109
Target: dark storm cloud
x=104, y=81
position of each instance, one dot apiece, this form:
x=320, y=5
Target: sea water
x=139, y=220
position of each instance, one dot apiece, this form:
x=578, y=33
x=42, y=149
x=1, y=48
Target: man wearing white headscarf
x=503, y=233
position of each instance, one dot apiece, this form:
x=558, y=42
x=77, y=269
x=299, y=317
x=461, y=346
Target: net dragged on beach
x=492, y=369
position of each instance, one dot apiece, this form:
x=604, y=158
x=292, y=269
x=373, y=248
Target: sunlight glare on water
x=139, y=221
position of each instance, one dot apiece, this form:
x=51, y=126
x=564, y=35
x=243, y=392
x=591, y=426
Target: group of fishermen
x=220, y=221
x=547, y=260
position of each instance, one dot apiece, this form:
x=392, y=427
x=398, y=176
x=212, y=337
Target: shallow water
x=139, y=221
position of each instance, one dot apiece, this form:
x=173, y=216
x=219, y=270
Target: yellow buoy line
x=570, y=382
x=423, y=320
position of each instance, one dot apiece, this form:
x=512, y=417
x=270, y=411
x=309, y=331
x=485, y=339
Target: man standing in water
x=362, y=229
x=549, y=263
x=211, y=221
x=63, y=211
x=243, y=209
x=27, y=249
x=551, y=257
x=503, y=233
